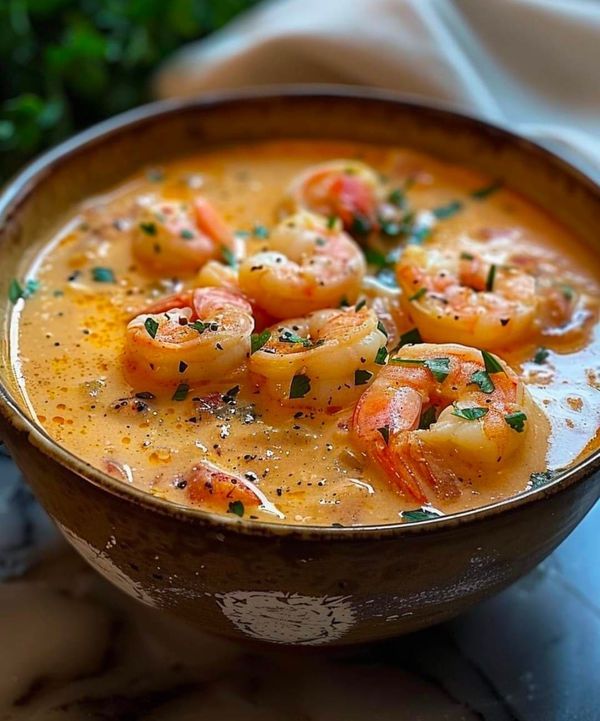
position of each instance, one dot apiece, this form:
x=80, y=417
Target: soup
x=314, y=333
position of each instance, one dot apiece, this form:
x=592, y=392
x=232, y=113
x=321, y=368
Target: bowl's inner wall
x=40, y=205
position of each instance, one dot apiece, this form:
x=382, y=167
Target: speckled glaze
x=277, y=583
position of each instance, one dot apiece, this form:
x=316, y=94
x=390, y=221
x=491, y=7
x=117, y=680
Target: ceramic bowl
x=281, y=583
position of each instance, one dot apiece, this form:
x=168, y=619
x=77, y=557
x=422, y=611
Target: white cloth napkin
x=532, y=65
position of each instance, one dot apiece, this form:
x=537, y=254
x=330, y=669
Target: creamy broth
x=69, y=341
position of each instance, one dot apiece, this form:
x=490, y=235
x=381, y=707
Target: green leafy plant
x=67, y=64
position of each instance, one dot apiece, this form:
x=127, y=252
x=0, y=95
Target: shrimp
x=179, y=237
x=346, y=189
x=210, y=486
x=456, y=296
x=323, y=360
x=438, y=414
x=308, y=266
x=189, y=337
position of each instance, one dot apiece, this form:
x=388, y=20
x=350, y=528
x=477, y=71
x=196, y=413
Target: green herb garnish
x=361, y=225
x=427, y=419
x=419, y=514
x=385, y=434
x=228, y=256
x=15, y=291
x=411, y=337
x=260, y=231
x=148, y=228
x=537, y=480
x=361, y=377
x=397, y=198
x=491, y=277
x=375, y=258
x=492, y=364
x=541, y=355
x=516, y=421
x=237, y=508
x=418, y=235
x=299, y=386
x=258, y=340
x=344, y=302
x=287, y=336
x=419, y=294
x=151, y=327
x=483, y=380
x=186, y=234
x=103, y=275
x=381, y=356
x=360, y=305
x=487, y=190
x=181, y=392
x=439, y=367
x=199, y=326
x=466, y=256
x=332, y=222
x=446, y=211
x=381, y=328
x=469, y=414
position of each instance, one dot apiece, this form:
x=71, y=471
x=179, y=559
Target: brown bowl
x=282, y=583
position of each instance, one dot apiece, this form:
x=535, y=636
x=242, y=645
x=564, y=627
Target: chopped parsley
x=258, y=340
x=469, y=414
x=537, y=480
x=360, y=305
x=419, y=294
x=418, y=234
x=398, y=198
x=492, y=364
x=385, y=434
x=381, y=356
x=237, y=508
x=419, y=514
x=181, y=392
x=381, y=328
x=447, y=211
x=491, y=277
x=567, y=291
x=260, y=231
x=16, y=291
x=155, y=175
x=332, y=222
x=439, y=367
x=103, y=275
x=187, y=234
x=148, y=228
x=427, y=419
x=228, y=256
x=411, y=337
x=516, y=421
x=344, y=302
x=376, y=258
x=151, y=327
x=199, y=326
x=482, y=379
x=299, y=386
x=361, y=225
x=467, y=256
x=486, y=190
x=541, y=355
x=362, y=376
x=288, y=336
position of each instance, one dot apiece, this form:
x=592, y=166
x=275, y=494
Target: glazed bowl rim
x=18, y=189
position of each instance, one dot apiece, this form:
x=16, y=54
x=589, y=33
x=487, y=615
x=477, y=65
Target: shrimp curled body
x=308, y=266
x=324, y=360
x=434, y=417
x=458, y=297
x=189, y=338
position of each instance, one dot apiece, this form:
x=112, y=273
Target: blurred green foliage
x=65, y=64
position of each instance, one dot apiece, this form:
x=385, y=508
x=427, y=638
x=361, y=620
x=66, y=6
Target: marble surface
x=74, y=648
